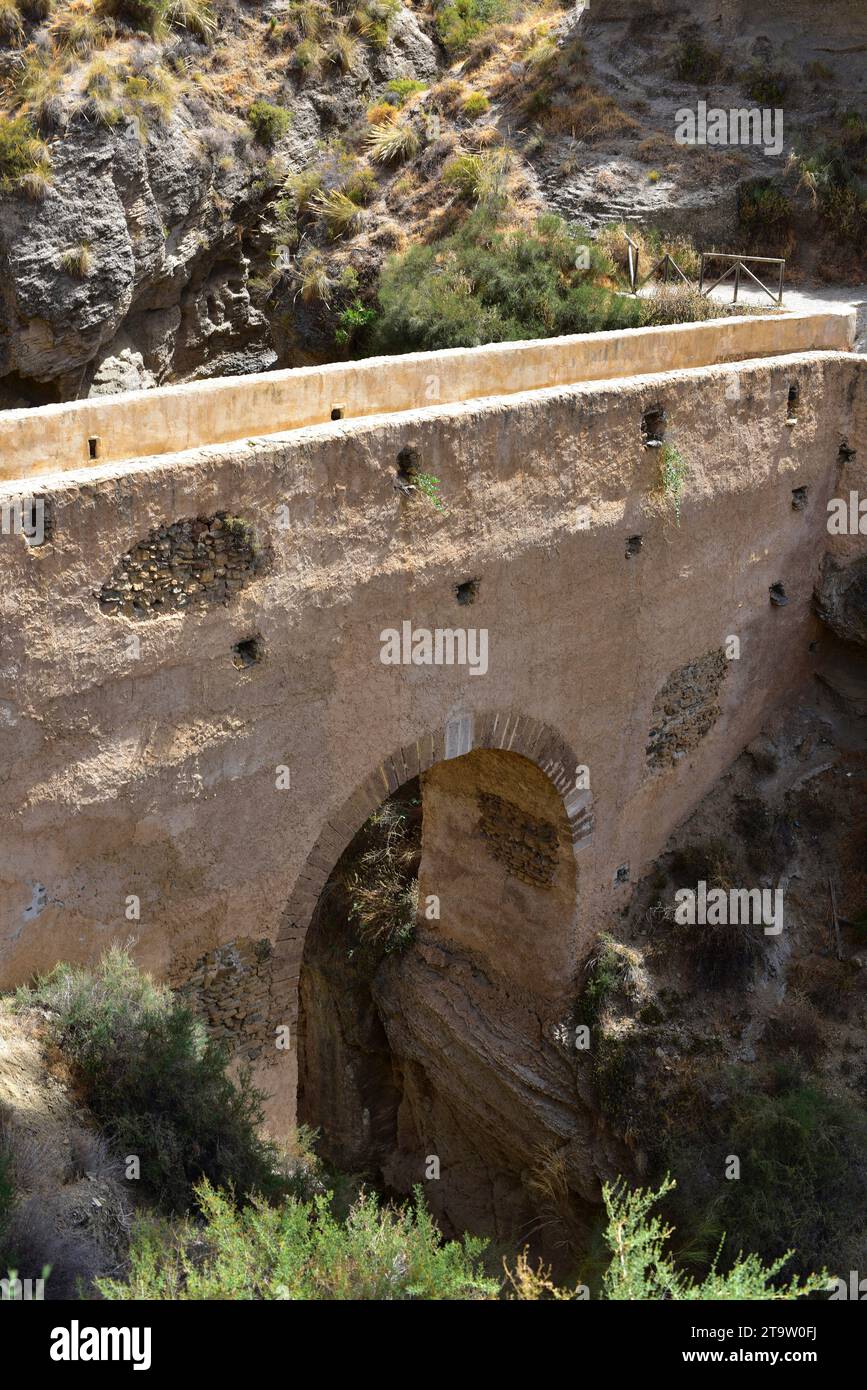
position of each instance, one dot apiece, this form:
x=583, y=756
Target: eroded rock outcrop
x=136, y=254
x=841, y=598
x=490, y=1086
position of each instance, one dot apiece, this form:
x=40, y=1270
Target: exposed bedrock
x=489, y=1087
x=163, y=290
x=841, y=598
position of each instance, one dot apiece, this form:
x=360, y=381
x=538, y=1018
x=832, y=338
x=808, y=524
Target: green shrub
x=351, y=321
x=303, y=187
x=300, y=1250
x=766, y=86
x=458, y=22
x=429, y=486
x=853, y=129
x=765, y=212
x=308, y=19
x=607, y=975
x=833, y=177
x=361, y=185
x=673, y=472
x=148, y=98
x=404, y=87
x=803, y=1180
x=154, y=1081
x=309, y=57
x=476, y=104
x=642, y=1269
x=479, y=178
x=269, y=122
x=22, y=153
x=372, y=19
x=481, y=285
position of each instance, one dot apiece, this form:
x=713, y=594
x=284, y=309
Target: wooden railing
x=632, y=262
x=738, y=267
x=666, y=263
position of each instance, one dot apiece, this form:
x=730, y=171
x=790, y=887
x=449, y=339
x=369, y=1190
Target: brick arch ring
x=499, y=729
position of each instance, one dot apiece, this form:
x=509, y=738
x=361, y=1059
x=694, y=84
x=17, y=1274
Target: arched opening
x=441, y=953
x=366, y=912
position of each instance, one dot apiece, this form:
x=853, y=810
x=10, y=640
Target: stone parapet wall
x=111, y=429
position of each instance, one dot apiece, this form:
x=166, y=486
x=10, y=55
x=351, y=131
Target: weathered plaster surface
x=138, y=762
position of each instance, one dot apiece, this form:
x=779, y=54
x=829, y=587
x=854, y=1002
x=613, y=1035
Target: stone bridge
x=219, y=644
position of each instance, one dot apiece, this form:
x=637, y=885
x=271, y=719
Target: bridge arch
x=502, y=731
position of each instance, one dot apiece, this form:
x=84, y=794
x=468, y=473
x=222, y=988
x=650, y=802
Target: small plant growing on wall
x=383, y=883
x=410, y=479
x=673, y=471
x=429, y=487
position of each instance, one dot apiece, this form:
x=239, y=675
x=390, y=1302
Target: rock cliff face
x=841, y=599
x=166, y=294
x=166, y=207
x=490, y=1086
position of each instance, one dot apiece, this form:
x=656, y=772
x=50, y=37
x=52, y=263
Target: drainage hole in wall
x=247, y=653
x=408, y=461
x=792, y=404
x=799, y=499
x=633, y=545
x=653, y=423
x=467, y=591
x=779, y=597
x=93, y=449
x=337, y=412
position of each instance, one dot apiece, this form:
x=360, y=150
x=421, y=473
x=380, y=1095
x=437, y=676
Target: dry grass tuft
x=392, y=143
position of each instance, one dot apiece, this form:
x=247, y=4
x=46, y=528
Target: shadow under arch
x=501, y=730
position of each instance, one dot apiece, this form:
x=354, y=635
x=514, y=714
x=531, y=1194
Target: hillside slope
x=191, y=188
